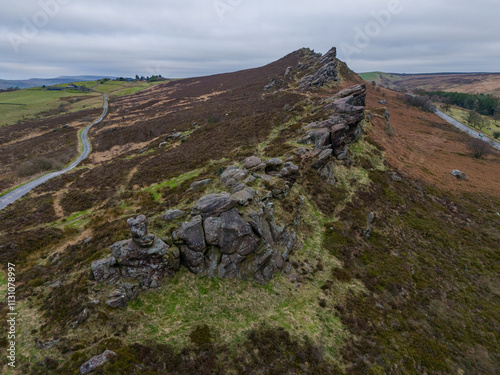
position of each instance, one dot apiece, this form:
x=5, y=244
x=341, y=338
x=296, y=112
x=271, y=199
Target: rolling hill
x=472, y=83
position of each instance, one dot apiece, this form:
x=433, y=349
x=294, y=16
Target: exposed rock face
x=232, y=245
x=144, y=258
x=222, y=241
x=326, y=71
x=342, y=128
x=96, y=362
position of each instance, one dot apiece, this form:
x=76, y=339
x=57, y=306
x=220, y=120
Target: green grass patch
x=231, y=308
x=35, y=101
x=379, y=76
x=122, y=88
x=156, y=189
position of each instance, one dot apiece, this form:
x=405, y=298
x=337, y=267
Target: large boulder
x=244, y=197
x=251, y=162
x=192, y=233
x=235, y=235
x=214, y=204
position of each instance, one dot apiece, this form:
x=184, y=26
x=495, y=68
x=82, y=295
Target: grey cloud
x=181, y=38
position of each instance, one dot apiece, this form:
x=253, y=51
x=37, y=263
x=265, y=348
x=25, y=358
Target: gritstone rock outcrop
x=140, y=262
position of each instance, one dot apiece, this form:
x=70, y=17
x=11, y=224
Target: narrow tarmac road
x=466, y=129
x=23, y=190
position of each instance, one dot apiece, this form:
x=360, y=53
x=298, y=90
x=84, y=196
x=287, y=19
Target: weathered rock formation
x=228, y=235
x=332, y=136
x=145, y=258
x=325, y=70
x=221, y=241
x=236, y=236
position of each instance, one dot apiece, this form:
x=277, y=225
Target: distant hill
x=485, y=83
x=37, y=82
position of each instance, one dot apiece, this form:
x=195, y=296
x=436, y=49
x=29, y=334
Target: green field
x=122, y=88
x=31, y=104
x=375, y=76
x=28, y=104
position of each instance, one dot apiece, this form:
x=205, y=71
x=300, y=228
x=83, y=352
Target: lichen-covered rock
x=192, y=233
x=138, y=226
x=212, y=230
x=191, y=259
x=105, y=270
x=96, y=362
x=244, y=197
x=459, y=175
x=236, y=235
x=342, y=128
x=214, y=204
x=326, y=72
x=238, y=187
x=246, y=246
x=128, y=253
x=289, y=172
x=146, y=259
x=251, y=162
x=323, y=158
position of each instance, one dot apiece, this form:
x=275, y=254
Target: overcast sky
x=183, y=38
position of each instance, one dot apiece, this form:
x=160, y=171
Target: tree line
x=481, y=103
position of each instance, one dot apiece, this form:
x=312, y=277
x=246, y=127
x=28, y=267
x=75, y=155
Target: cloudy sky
x=182, y=38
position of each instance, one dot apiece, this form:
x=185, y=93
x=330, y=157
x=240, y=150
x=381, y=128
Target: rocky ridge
x=331, y=137
x=233, y=233
x=325, y=70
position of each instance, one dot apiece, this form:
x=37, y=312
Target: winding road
x=22, y=190
x=466, y=129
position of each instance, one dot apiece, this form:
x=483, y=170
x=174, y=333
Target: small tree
x=478, y=148
x=475, y=120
